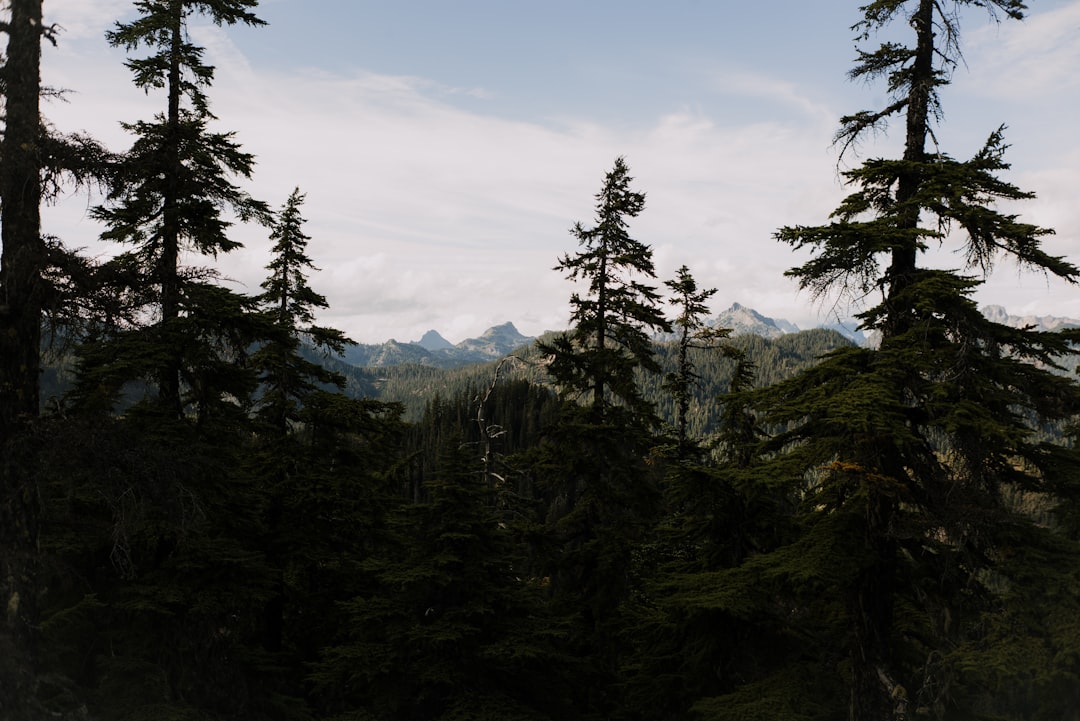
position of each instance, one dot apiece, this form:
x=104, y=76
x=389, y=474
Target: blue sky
x=447, y=148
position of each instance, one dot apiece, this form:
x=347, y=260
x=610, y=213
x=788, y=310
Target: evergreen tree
x=23, y=262
x=601, y=490
x=683, y=646
x=172, y=191
x=328, y=496
x=156, y=576
x=902, y=460
x=159, y=517
x=610, y=338
x=286, y=376
x=22, y=290
x=692, y=333
x=283, y=460
x=451, y=629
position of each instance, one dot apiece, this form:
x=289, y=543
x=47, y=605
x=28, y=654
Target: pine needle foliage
x=289, y=302
x=450, y=627
x=613, y=322
x=174, y=185
x=900, y=459
x=692, y=333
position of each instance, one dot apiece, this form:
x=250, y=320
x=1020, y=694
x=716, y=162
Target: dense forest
x=214, y=521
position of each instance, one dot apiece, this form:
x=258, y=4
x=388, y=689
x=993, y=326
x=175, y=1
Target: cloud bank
x=428, y=213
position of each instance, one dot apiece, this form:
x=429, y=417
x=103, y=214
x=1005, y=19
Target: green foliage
x=170, y=192
x=610, y=337
x=900, y=459
x=156, y=578
x=692, y=333
x=449, y=629
x=834, y=532
x=286, y=377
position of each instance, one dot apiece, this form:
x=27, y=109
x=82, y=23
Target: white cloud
x=426, y=215
x=755, y=86
x=81, y=19
x=1036, y=58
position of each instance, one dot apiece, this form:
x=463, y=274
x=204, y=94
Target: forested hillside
x=203, y=516
x=413, y=386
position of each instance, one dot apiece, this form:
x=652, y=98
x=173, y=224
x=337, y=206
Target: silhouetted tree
x=612, y=323
x=22, y=291
x=171, y=194
x=902, y=458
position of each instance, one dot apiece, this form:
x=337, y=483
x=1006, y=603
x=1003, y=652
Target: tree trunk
x=21, y=299
x=875, y=695
x=23, y=258
x=902, y=269
x=169, y=382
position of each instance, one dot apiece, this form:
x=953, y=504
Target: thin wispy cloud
x=742, y=85
x=430, y=207
x=1037, y=58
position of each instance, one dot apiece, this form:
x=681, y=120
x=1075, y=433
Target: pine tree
x=287, y=381
x=602, y=491
x=173, y=189
x=286, y=376
x=450, y=628
x=22, y=290
x=610, y=338
x=161, y=509
x=693, y=333
x=902, y=459
x=24, y=254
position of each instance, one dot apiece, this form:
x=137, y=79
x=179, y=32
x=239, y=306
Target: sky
x=446, y=148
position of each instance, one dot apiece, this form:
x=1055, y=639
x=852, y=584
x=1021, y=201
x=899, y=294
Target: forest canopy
x=640, y=517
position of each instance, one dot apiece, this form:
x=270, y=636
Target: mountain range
x=434, y=350
x=498, y=341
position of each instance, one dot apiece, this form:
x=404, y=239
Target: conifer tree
x=22, y=290
x=24, y=255
x=610, y=338
x=179, y=592
x=173, y=189
x=902, y=459
x=451, y=628
x=286, y=376
x=692, y=333
x=603, y=493
x=287, y=381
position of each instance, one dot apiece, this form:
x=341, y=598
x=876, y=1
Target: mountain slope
x=435, y=351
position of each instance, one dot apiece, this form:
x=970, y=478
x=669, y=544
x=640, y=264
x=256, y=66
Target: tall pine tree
x=692, y=333
x=613, y=323
x=22, y=265
x=904, y=461
x=602, y=493
x=173, y=191
x=286, y=377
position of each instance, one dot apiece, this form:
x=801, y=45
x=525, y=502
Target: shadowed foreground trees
x=905, y=460
x=22, y=291
x=173, y=189
x=224, y=535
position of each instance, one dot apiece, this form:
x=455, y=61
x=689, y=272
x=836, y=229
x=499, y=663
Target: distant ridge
x=498, y=341
x=998, y=314
x=747, y=321
x=435, y=351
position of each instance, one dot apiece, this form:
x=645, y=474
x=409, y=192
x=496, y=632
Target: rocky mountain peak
x=747, y=321
x=433, y=341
